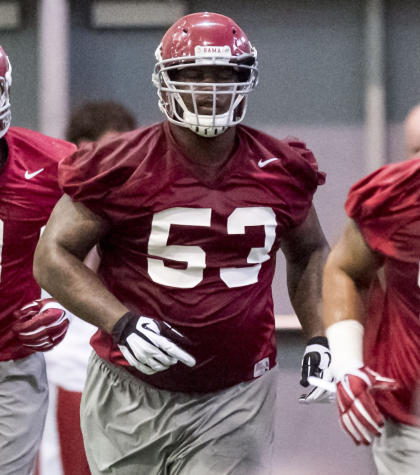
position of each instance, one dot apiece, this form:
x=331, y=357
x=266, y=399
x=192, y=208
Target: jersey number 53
x=195, y=257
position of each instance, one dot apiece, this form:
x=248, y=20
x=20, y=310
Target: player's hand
x=359, y=414
x=41, y=325
x=149, y=344
x=315, y=363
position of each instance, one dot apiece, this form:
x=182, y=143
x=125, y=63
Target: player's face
x=202, y=78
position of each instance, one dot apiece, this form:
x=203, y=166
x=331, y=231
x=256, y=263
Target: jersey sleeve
x=304, y=178
x=385, y=204
x=56, y=150
x=35, y=157
x=94, y=174
x=312, y=175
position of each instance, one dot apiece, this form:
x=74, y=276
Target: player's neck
x=209, y=152
x=4, y=151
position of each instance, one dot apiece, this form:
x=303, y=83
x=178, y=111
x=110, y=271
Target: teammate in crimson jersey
x=189, y=215
x=28, y=193
x=372, y=307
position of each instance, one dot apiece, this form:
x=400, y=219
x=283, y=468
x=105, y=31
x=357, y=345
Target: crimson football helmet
x=197, y=40
x=5, y=83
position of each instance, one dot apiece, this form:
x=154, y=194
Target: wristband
x=118, y=329
x=318, y=340
x=346, y=343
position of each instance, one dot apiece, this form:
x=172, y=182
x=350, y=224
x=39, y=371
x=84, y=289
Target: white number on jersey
x=195, y=257
x=241, y=217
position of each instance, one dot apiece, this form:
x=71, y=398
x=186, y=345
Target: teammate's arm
x=306, y=250
x=349, y=272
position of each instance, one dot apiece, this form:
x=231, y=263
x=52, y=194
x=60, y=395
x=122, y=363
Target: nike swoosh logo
x=263, y=163
x=151, y=328
x=28, y=175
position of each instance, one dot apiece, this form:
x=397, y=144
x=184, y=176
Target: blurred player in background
x=28, y=193
x=62, y=451
x=371, y=311
x=94, y=120
x=189, y=215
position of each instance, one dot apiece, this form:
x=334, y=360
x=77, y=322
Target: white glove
x=148, y=344
x=315, y=363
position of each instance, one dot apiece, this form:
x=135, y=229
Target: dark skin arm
x=306, y=250
x=70, y=234
x=350, y=269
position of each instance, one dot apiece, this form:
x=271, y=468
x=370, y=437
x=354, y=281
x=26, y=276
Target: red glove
x=359, y=414
x=41, y=324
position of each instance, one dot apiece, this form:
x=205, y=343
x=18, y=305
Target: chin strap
x=207, y=126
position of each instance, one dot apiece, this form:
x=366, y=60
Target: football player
x=371, y=311
x=189, y=215
x=29, y=325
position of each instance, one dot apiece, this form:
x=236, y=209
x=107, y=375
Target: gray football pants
x=397, y=451
x=132, y=428
x=23, y=408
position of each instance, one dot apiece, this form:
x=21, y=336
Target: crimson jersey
x=386, y=207
x=28, y=193
x=195, y=252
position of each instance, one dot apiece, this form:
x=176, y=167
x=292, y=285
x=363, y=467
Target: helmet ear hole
x=244, y=75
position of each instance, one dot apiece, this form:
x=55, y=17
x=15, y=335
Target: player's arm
x=306, y=250
x=349, y=272
x=71, y=232
x=42, y=324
